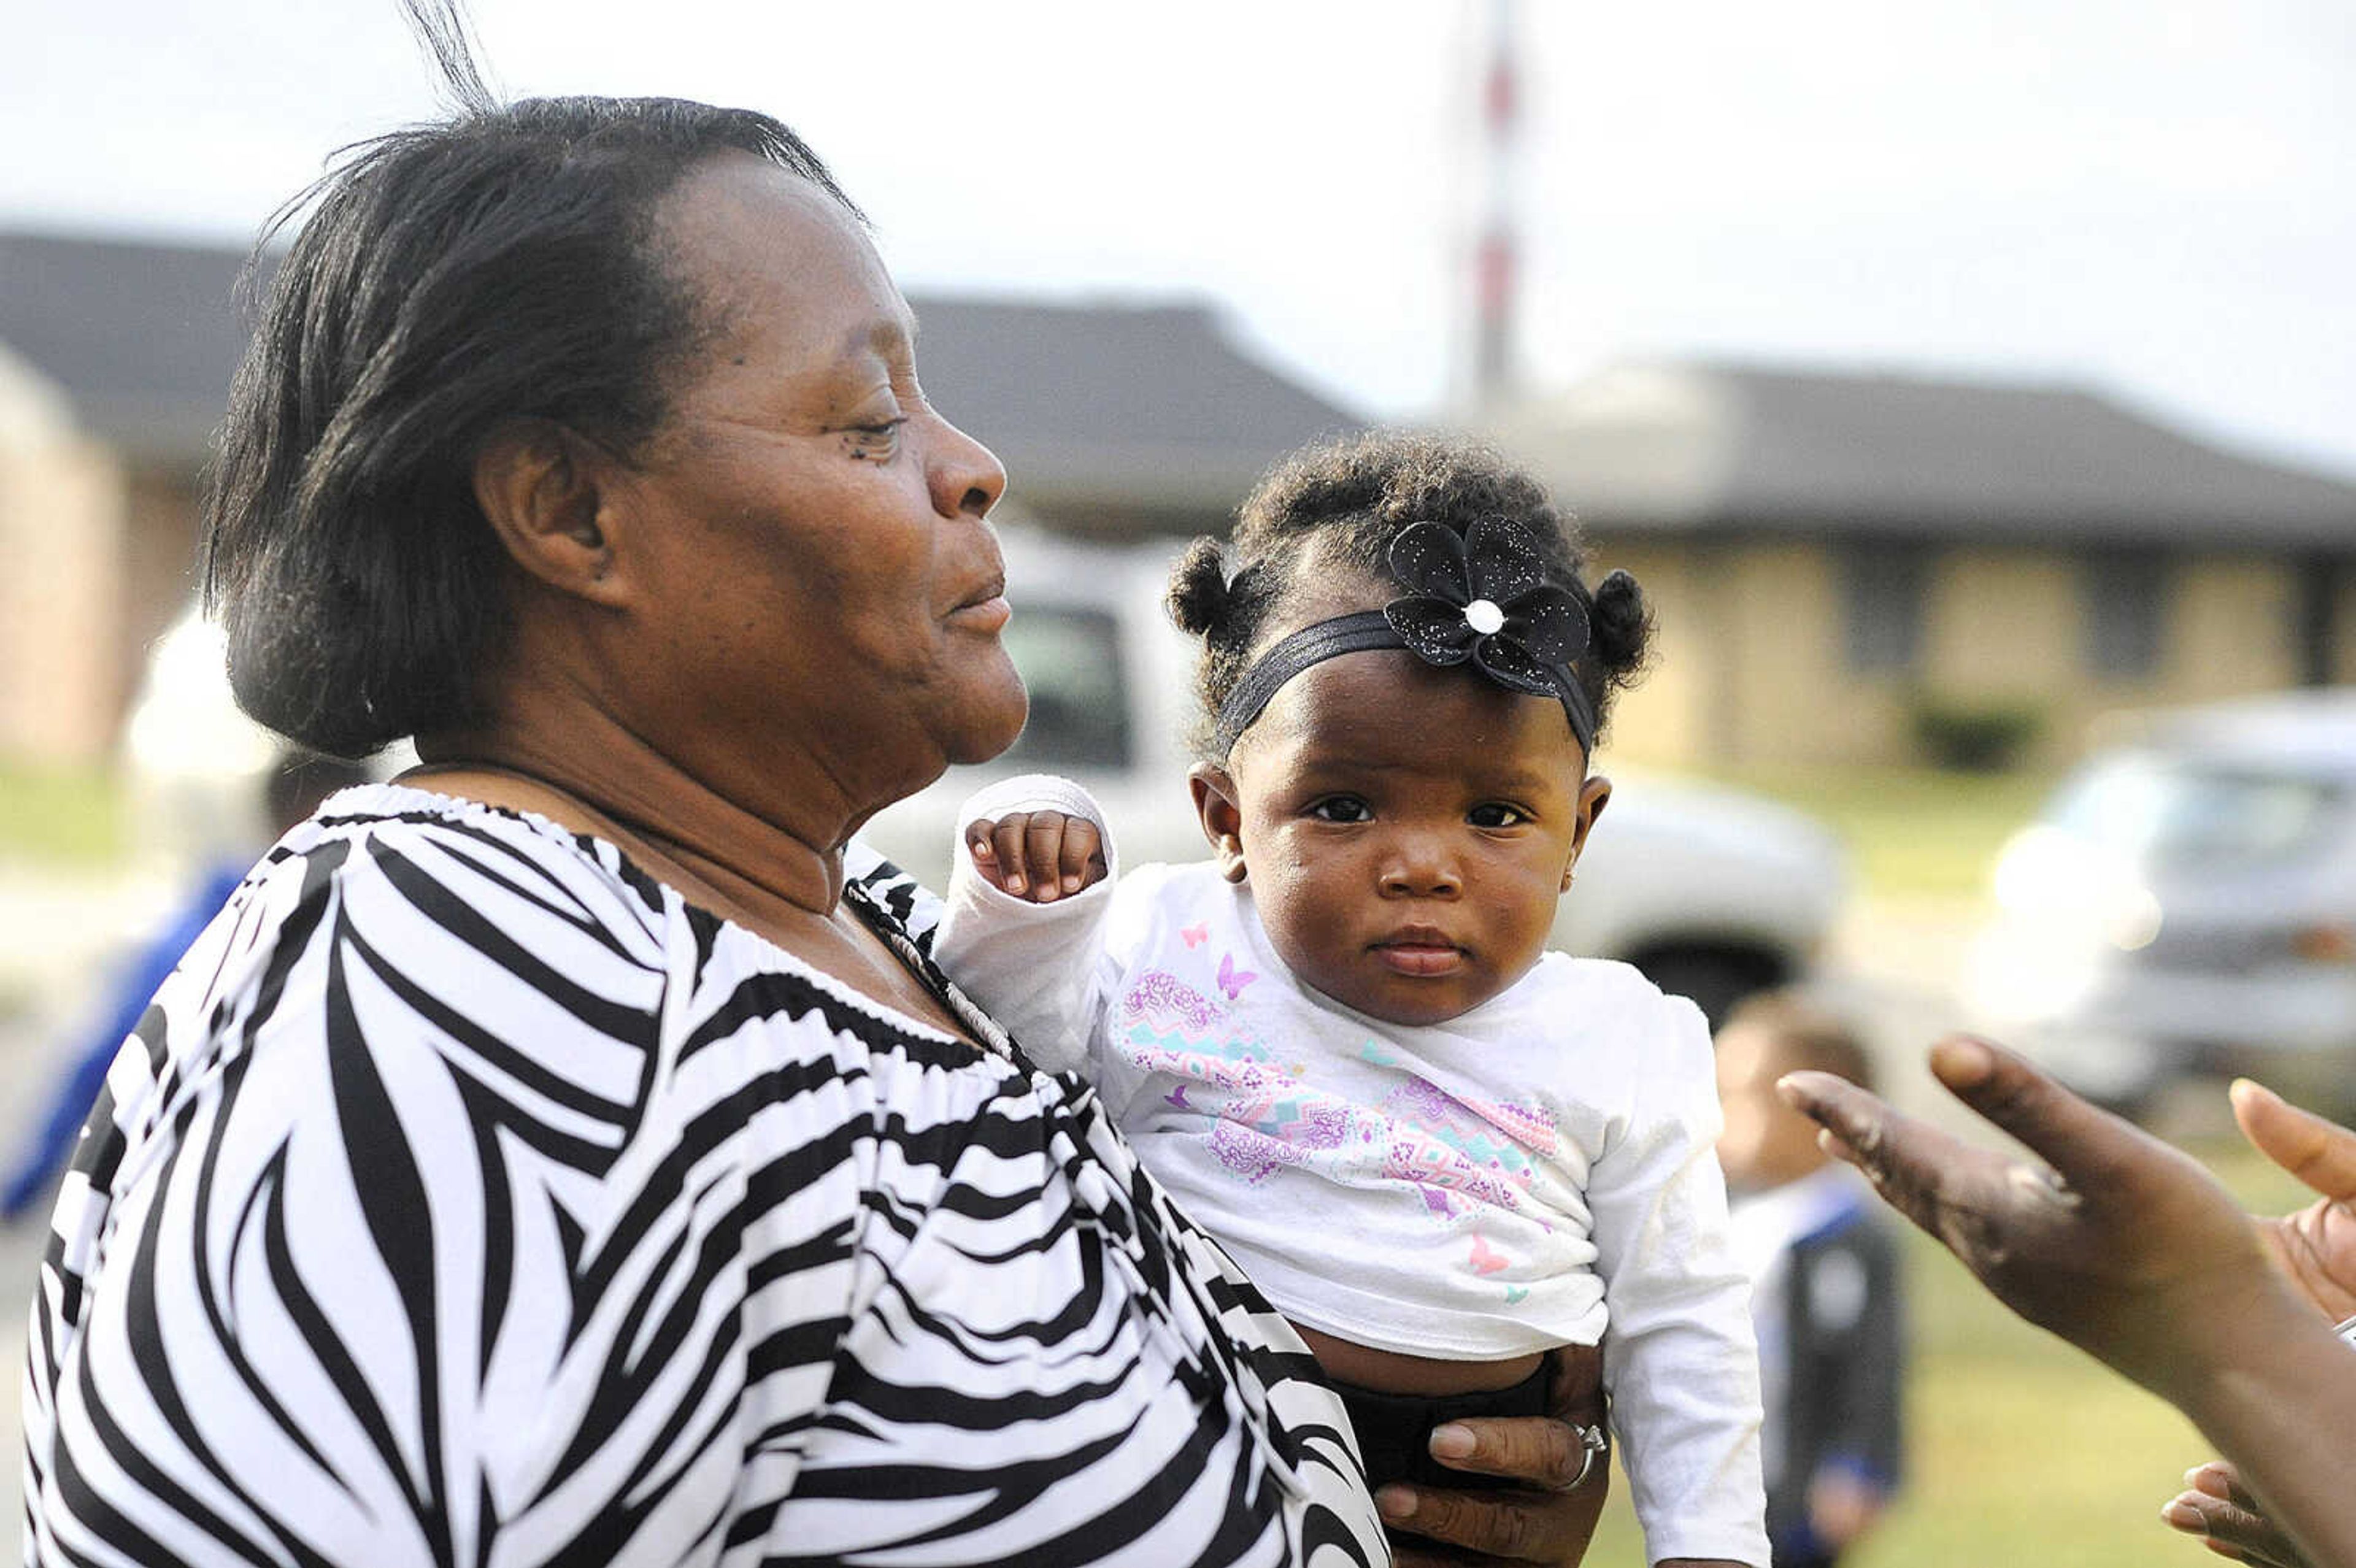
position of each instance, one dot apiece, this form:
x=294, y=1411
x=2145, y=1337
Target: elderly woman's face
x=826, y=573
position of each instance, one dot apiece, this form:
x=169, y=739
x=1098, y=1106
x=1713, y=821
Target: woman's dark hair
x=1353, y=495
x=501, y=264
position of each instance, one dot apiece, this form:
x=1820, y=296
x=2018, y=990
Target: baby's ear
x=1217, y=808
x=1594, y=794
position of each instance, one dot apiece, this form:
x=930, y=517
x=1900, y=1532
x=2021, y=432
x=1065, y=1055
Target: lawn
x=2020, y=1449
x=56, y=817
x=1910, y=830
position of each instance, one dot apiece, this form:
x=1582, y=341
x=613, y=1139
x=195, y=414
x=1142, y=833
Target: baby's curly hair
x=1357, y=494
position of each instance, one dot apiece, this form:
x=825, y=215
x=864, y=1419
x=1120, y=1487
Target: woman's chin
x=989, y=724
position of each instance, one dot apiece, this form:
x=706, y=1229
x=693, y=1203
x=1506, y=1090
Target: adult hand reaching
x=2121, y=1246
x=2317, y=1245
x=2218, y=1509
x=2130, y=1249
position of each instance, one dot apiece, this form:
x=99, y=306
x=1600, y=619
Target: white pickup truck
x=1711, y=892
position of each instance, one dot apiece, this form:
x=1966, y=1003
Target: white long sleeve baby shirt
x=1523, y=1176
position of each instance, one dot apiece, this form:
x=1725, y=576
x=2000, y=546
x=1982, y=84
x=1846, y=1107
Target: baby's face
x=1406, y=831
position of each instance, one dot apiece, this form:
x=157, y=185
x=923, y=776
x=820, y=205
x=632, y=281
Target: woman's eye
x=1341, y=808
x=1497, y=815
x=876, y=441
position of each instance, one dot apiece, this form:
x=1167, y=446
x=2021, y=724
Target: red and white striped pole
x=1497, y=260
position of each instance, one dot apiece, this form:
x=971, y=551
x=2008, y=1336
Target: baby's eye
x=1495, y=814
x=1341, y=808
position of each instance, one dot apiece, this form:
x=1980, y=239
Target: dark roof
x=1151, y=405
x=1783, y=448
x=142, y=339
x=1103, y=401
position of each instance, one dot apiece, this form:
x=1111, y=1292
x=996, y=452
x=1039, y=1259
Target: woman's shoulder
x=448, y=838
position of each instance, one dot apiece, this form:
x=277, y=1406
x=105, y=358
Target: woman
x=564, y=1153
x=2132, y=1251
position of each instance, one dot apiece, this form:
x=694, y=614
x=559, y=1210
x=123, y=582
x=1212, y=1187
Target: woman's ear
x=1593, y=796
x=543, y=489
x=1217, y=808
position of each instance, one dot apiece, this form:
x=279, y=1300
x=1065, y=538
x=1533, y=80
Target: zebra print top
x=467, y=1198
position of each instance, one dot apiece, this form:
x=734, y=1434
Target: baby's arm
x=1030, y=953
x=1679, y=1358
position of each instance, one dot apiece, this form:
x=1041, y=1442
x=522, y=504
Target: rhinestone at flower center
x=1484, y=616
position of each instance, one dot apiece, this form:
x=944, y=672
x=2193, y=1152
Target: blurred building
x=1842, y=562
x=1832, y=554
x=115, y=360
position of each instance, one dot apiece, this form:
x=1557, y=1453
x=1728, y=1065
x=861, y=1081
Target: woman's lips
x=988, y=614
x=986, y=609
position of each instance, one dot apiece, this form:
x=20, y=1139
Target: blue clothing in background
x=39, y=1165
x=1828, y=1306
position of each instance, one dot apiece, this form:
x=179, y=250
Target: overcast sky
x=2157, y=195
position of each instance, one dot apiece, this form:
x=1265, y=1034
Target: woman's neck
x=598, y=778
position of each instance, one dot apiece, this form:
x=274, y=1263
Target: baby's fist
x=1039, y=854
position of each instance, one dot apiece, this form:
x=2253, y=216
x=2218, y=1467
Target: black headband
x=1480, y=597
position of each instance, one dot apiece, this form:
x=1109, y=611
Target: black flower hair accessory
x=1483, y=596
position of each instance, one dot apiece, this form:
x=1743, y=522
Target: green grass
x=1911, y=831
x=59, y=816
x=2020, y=1449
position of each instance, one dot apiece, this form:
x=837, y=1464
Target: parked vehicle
x=1712, y=892
x=2185, y=903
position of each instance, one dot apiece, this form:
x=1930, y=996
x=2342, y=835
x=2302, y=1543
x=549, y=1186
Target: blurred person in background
x=2130, y=1249
x=1828, y=1297
x=293, y=788
x=568, y=1152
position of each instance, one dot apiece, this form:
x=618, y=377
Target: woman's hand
x=1540, y=1517
x=1039, y=854
x=2126, y=1247
x=2218, y=1509
x=2315, y=1246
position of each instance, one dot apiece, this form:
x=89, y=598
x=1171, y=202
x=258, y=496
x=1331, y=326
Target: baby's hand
x=1039, y=854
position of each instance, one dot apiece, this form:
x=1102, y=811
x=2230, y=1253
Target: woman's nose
x=966, y=476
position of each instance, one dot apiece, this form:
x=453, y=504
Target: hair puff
x=1200, y=598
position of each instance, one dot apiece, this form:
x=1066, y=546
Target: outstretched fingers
x=2215, y=1507
x=1905, y=1157
x=2084, y=1145
x=2320, y=1153
x=2316, y=1246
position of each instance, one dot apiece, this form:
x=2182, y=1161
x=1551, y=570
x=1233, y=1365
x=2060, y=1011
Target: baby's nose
x=1420, y=865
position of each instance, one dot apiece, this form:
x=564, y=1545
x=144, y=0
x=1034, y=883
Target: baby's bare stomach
x=1394, y=1372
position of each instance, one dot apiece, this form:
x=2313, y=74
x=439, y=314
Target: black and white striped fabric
x=466, y=1198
